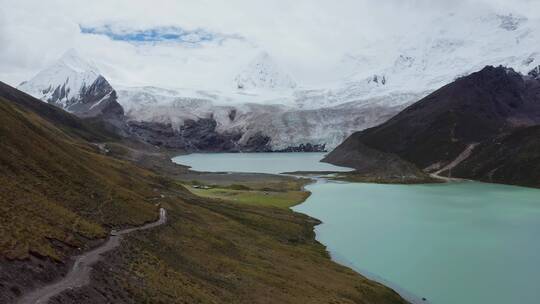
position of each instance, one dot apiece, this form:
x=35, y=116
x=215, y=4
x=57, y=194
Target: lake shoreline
x=334, y=256
x=314, y=177
x=444, y=200
x=334, y=230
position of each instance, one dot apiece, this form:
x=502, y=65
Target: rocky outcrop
x=258, y=142
x=99, y=99
x=202, y=136
x=535, y=72
x=197, y=136
x=305, y=148
x=99, y=103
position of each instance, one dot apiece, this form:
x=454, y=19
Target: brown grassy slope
x=244, y=254
x=218, y=252
x=212, y=251
x=55, y=186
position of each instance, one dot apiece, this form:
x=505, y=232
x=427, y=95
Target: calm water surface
x=455, y=243
x=273, y=163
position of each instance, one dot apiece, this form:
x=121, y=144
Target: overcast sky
x=182, y=43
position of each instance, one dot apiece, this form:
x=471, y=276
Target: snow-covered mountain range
x=286, y=125
x=265, y=102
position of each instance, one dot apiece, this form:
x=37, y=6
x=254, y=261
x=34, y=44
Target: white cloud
x=307, y=37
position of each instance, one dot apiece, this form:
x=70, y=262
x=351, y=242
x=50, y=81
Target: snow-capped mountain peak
x=64, y=81
x=264, y=73
x=72, y=60
x=75, y=85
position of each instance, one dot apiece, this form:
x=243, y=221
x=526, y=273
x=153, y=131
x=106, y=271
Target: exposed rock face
x=305, y=148
x=258, y=142
x=289, y=128
x=535, y=72
x=99, y=102
x=202, y=136
x=196, y=136
x=434, y=131
x=99, y=99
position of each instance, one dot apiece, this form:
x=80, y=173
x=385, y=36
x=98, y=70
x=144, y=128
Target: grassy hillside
x=219, y=252
x=57, y=186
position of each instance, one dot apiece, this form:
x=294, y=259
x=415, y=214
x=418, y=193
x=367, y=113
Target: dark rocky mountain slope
x=436, y=130
x=196, y=136
x=99, y=99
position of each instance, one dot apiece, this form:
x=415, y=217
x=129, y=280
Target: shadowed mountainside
x=434, y=131
x=511, y=159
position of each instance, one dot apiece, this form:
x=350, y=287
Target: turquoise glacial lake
x=272, y=163
x=454, y=243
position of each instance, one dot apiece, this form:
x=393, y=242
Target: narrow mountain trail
x=79, y=275
x=461, y=157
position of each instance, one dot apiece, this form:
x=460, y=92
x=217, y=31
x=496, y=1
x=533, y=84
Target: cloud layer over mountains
x=204, y=43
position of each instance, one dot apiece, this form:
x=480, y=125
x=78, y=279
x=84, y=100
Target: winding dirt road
x=79, y=275
x=461, y=157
